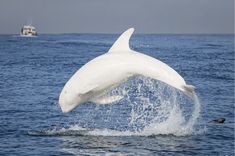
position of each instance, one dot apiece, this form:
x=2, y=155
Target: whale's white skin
x=95, y=78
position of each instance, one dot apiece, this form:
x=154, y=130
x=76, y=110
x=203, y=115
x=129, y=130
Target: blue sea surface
x=152, y=119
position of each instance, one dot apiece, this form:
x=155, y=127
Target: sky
x=115, y=16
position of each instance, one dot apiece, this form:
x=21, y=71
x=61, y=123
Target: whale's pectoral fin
x=122, y=43
x=106, y=99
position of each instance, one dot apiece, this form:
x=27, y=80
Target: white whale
x=98, y=76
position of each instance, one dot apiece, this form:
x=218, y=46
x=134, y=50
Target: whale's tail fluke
x=189, y=90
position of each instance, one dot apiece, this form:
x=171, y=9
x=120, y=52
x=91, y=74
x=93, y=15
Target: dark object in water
x=219, y=120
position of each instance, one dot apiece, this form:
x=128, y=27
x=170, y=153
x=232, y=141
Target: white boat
x=28, y=31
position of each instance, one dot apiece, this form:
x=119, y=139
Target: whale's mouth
x=68, y=103
x=67, y=108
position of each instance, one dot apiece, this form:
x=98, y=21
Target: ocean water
x=152, y=119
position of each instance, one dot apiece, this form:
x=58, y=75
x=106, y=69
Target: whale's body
x=94, y=79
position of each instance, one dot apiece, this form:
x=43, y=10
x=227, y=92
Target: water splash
x=149, y=107
x=176, y=123
x=157, y=108
x=167, y=117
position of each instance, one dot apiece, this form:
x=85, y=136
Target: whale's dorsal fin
x=122, y=43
